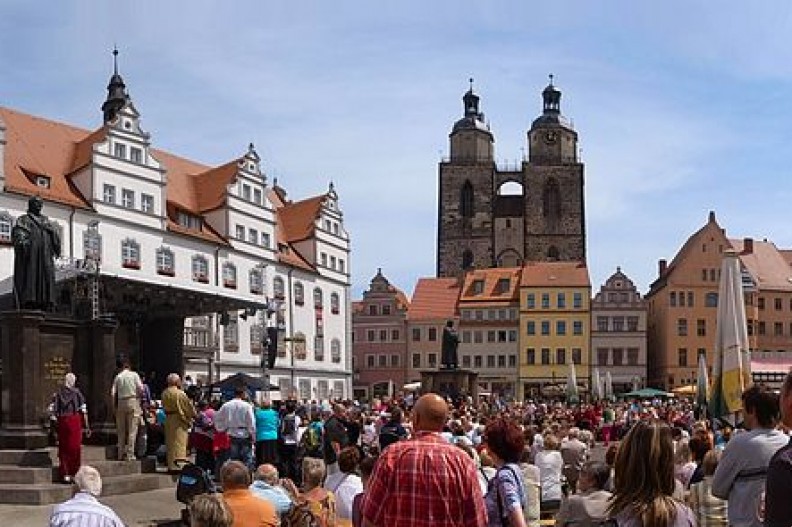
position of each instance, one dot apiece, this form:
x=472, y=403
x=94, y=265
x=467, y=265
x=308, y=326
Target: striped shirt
x=84, y=510
x=424, y=482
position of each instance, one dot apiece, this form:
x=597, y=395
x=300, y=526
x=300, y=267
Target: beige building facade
x=618, y=333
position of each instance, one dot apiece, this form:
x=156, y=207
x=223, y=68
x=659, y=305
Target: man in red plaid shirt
x=424, y=482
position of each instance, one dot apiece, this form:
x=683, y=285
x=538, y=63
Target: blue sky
x=682, y=107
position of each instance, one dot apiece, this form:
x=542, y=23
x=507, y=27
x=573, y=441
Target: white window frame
x=6, y=224
x=229, y=275
x=256, y=281
x=166, y=261
x=253, y=236
x=200, y=268
x=127, y=198
x=240, y=232
x=92, y=244
x=147, y=203
x=130, y=254
x=109, y=194
x=136, y=154
x=119, y=150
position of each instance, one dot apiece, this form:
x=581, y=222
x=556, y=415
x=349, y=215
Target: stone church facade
x=493, y=217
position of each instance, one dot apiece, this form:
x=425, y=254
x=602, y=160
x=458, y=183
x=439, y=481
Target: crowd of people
x=427, y=461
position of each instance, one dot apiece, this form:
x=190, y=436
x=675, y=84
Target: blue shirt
x=275, y=495
x=266, y=424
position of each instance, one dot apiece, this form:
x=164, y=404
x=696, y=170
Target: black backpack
x=193, y=480
x=289, y=425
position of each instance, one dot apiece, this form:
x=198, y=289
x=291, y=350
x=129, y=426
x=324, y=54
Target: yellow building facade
x=555, y=327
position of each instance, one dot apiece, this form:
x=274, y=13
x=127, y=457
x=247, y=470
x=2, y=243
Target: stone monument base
x=37, y=349
x=450, y=383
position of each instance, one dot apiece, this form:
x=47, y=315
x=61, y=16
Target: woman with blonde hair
x=210, y=510
x=643, y=490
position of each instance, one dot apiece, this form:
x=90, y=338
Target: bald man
x=424, y=481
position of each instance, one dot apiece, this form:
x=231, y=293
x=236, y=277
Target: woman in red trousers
x=68, y=406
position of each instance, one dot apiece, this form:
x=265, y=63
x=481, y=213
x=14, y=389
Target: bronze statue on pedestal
x=36, y=245
x=448, y=357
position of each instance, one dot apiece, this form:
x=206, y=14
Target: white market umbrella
x=596, y=384
x=702, y=383
x=571, y=387
x=731, y=371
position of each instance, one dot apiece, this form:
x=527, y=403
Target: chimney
x=662, y=265
x=747, y=246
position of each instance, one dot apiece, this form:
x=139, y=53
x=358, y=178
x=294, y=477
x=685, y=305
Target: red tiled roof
x=766, y=264
x=298, y=219
x=490, y=291
x=555, y=274
x=434, y=298
x=212, y=186
x=36, y=146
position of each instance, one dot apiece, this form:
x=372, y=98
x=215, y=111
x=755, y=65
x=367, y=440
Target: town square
x=344, y=264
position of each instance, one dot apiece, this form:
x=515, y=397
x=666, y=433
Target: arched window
x=509, y=258
x=335, y=303
x=552, y=253
x=466, y=200
x=256, y=279
x=130, y=254
x=298, y=345
x=551, y=200
x=229, y=275
x=510, y=188
x=200, y=269
x=299, y=293
x=166, y=262
x=317, y=298
x=335, y=350
x=318, y=347
x=278, y=288
x=467, y=259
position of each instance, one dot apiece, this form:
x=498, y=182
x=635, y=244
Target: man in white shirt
x=126, y=392
x=84, y=509
x=236, y=418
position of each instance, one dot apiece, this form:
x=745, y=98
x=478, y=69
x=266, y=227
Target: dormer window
x=200, y=269
x=128, y=198
x=43, y=181
x=229, y=275
x=6, y=223
x=130, y=254
x=478, y=287
x=165, y=262
x=109, y=194
x=504, y=285
x=136, y=155
x=119, y=150
x=190, y=221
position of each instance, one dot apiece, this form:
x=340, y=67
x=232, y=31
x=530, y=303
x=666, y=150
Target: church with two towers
x=494, y=217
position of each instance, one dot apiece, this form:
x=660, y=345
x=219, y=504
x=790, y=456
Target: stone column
x=21, y=423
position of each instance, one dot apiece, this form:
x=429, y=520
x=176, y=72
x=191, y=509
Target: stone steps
x=29, y=477
x=49, y=493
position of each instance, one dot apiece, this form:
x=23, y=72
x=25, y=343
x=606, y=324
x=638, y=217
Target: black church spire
x=116, y=92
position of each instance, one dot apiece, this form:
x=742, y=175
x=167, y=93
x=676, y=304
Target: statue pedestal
x=450, y=383
x=37, y=349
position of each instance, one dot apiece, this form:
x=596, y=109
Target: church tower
x=554, y=205
x=465, y=194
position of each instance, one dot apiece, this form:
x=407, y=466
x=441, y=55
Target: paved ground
x=156, y=507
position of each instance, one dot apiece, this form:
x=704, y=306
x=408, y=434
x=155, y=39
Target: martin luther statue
x=36, y=245
x=448, y=357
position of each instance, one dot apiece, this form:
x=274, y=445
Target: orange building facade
x=682, y=307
